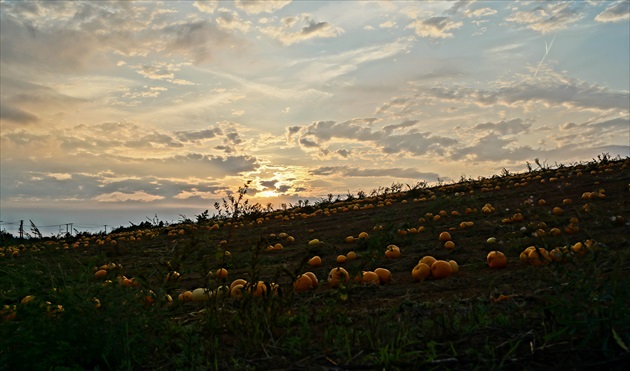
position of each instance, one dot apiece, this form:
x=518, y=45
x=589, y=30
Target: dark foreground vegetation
x=152, y=296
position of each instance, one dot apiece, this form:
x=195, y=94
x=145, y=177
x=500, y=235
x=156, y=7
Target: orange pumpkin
x=303, y=283
x=444, y=236
x=392, y=252
x=441, y=269
x=384, y=275
x=420, y=272
x=101, y=273
x=338, y=276
x=221, y=273
x=428, y=260
x=496, y=259
x=370, y=278
x=313, y=278
x=315, y=261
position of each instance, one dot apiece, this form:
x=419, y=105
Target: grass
x=570, y=315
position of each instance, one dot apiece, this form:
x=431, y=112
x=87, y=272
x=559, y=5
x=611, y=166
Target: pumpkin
x=428, y=260
x=258, y=289
x=392, y=252
x=384, y=275
x=315, y=261
x=370, y=278
x=101, y=273
x=185, y=296
x=420, y=272
x=238, y=281
x=221, y=273
x=338, y=276
x=201, y=294
x=441, y=269
x=313, y=278
x=237, y=290
x=303, y=283
x=496, y=259
x=444, y=236
x=454, y=265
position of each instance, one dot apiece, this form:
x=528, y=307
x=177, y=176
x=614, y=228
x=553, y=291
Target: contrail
x=547, y=49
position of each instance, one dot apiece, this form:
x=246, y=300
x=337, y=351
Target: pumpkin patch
x=495, y=260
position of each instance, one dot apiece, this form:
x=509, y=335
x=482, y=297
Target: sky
x=128, y=111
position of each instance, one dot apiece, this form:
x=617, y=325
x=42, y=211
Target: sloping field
x=562, y=300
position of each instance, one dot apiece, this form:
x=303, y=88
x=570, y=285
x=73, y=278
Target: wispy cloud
x=261, y=6
x=546, y=17
x=389, y=141
x=138, y=196
x=616, y=12
x=435, y=27
x=396, y=173
x=296, y=29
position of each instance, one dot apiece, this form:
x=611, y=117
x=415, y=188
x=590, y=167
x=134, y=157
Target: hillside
x=562, y=304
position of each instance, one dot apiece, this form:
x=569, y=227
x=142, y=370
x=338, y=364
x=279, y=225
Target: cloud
x=594, y=132
x=269, y=183
x=616, y=124
x=289, y=33
x=494, y=148
x=132, y=140
x=230, y=20
x=161, y=71
x=403, y=125
x=548, y=89
x=187, y=165
x=454, y=9
x=480, y=12
x=115, y=163
x=308, y=143
x=128, y=150
x=511, y=127
x=194, y=194
x=71, y=37
x=348, y=171
x=387, y=24
x=206, y=6
x=198, y=135
x=16, y=115
x=139, y=196
x=326, y=68
x=501, y=141
x=261, y=6
x=233, y=138
x=154, y=140
x=199, y=39
x=616, y=12
x=398, y=107
x=115, y=137
x=319, y=133
x=27, y=44
x=343, y=153
x=19, y=100
x=546, y=17
x=435, y=27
